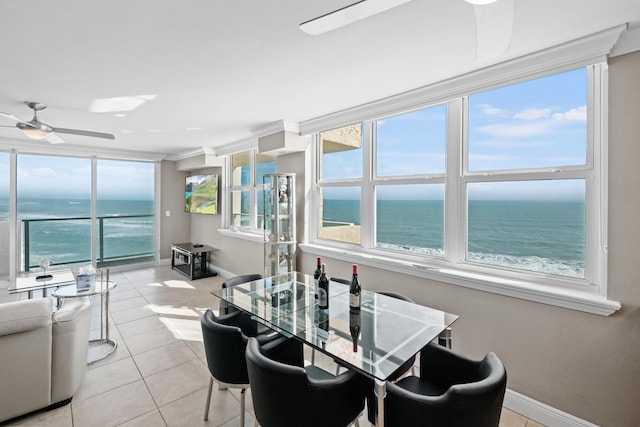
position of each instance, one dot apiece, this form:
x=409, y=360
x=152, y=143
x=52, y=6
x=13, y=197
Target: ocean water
x=542, y=236
x=59, y=228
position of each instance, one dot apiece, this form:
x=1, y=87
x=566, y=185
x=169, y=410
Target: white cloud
x=518, y=130
x=575, y=114
x=533, y=114
x=488, y=110
x=511, y=143
x=44, y=172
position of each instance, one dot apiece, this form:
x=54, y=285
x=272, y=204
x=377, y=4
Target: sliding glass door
x=74, y=210
x=53, y=209
x=125, y=212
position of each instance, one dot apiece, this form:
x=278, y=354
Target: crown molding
x=275, y=127
x=628, y=42
x=45, y=148
x=581, y=52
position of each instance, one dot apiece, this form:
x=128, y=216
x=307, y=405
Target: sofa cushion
x=22, y=316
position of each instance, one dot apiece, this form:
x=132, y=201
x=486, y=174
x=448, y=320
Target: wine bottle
x=323, y=289
x=355, y=290
x=354, y=328
x=316, y=274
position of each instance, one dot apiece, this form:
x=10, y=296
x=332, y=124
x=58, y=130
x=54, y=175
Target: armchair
x=43, y=353
x=452, y=391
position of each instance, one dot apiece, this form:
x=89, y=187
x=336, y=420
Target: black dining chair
x=224, y=344
x=289, y=395
x=451, y=391
x=223, y=307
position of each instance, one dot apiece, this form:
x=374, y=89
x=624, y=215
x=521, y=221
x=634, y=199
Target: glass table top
x=377, y=340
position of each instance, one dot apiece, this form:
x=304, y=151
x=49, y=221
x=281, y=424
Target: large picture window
x=497, y=182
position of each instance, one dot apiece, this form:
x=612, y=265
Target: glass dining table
x=376, y=342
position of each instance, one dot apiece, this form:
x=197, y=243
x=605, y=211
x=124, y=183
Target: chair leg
x=206, y=409
x=242, y=394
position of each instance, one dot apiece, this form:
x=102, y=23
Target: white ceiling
x=220, y=68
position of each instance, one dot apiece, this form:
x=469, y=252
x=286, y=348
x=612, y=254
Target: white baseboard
x=540, y=412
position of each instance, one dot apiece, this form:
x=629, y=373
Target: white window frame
x=588, y=295
x=251, y=232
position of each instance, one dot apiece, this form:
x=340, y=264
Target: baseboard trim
x=541, y=412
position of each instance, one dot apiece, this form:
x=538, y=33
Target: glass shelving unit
x=279, y=223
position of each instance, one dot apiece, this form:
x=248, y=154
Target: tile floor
x=158, y=375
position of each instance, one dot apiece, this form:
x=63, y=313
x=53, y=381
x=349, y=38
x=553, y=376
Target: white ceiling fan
x=36, y=129
x=493, y=18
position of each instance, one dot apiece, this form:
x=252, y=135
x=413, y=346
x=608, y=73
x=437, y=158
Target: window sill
x=559, y=297
x=245, y=235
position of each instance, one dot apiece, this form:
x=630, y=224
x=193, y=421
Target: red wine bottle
x=316, y=274
x=323, y=289
x=355, y=290
x=354, y=328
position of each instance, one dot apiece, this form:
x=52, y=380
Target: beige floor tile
x=531, y=423
x=107, y=377
x=132, y=314
x=163, y=358
x=127, y=304
x=60, y=417
x=189, y=410
x=123, y=295
x=140, y=326
x=197, y=346
x=114, y=407
x=178, y=382
x=151, y=419
x=150, y=340
x=509, y=418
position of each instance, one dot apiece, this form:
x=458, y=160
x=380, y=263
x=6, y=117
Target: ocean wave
x=567, y=268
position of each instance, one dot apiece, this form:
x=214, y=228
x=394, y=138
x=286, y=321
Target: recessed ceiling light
x=480, y=2
x=348, y=15
x=120, y=103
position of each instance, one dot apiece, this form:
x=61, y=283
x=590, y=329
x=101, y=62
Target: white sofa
x=43, y=354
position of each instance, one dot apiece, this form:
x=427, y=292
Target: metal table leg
x=380, y=393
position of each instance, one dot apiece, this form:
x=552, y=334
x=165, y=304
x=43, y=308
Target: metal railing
x=102, y=259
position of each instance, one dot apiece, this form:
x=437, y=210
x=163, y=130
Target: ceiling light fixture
x=480, y=2
x=31, y=132
x=348, y=15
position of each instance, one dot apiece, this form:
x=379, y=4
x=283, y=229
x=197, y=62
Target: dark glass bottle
x=355, y=290
x=323, y=289
x=354, y=328
x=316, y=274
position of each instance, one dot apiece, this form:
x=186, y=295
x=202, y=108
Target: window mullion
x=455, y=200
x=367, y=196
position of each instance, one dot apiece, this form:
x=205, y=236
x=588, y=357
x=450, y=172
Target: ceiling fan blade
x=348, y=15
x=494, y=25
x=14, y=118
x=85, y=133
x=55, y=139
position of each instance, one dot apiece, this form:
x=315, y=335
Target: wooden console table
x=192, y=260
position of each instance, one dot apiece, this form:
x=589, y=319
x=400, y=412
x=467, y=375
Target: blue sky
x=540, y=123
x=70, y=177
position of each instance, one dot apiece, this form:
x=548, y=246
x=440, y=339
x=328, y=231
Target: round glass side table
x=101, y=288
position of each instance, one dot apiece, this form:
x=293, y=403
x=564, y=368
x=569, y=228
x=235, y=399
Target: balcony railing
x=121, y=239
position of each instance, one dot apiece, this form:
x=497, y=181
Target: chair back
x=452, y=391
x=224, y=307
x=290, y=402
x=291, y=396
x=224, y=346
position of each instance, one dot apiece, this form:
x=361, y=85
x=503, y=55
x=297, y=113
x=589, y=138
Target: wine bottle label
x=354, y=300
x=322, y=300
